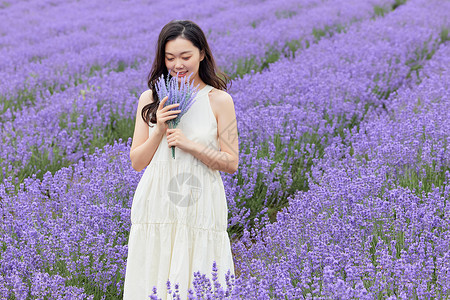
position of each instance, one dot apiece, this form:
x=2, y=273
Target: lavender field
x=343, y=113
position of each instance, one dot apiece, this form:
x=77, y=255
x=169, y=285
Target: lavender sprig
x=184, y=94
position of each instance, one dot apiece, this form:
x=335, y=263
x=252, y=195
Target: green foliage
x=444, y=36
x=121, y=66
x=94, y=69
x=424, y=53
x=5, y=4
x=298, y=166
x=80, y=280
x=27, y=97
x=40, y=162
x=285, y=14
x=380, y=11
x=118, y=128
x=327, y=31
x=421, y=180
x=293, y=45
x=37, y=58
x=398, y=3
x=255, y=23
x=247, y=65
x=282, y=14
x=24, y=98
x=415, y=64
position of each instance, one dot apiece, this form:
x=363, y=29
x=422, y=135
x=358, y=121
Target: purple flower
x=183, y=94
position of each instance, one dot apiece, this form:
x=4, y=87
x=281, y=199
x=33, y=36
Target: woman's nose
x=179, y=64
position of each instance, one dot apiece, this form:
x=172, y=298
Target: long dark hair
x=208, y=70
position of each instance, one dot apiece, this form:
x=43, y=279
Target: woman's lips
x=182, y=74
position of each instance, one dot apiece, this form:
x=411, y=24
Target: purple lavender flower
x=183, y=93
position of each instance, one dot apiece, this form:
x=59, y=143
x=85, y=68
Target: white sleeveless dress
x=179, y=214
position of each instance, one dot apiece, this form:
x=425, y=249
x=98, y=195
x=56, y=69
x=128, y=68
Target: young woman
x=179, y=211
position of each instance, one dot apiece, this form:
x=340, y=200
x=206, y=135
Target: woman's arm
x=227, y=159
x=143, y=146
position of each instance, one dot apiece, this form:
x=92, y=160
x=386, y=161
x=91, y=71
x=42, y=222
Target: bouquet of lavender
x=183, y=94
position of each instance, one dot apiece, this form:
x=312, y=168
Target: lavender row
x=302, y=105
x=409, y=137
x=360, y=232
x=65, y=236
x=266, y=41
x=414, y=135
x=59, y=134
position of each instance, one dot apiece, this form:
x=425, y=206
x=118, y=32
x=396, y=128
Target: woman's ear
x=202, y=55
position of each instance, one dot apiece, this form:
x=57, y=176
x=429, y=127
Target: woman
x=179, y=211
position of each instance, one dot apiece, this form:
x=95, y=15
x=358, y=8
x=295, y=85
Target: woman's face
x=182, y=56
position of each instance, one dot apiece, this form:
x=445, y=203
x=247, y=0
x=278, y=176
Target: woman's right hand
x=164, y=114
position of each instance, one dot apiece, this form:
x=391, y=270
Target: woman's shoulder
x=220, y=96
x=221, y=102
x=146, y=97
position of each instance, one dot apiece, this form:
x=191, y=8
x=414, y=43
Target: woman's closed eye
x=185, y=58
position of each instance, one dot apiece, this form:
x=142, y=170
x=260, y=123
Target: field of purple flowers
x=342, y=109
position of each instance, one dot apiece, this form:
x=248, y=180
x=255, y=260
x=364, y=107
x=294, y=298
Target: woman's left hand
x=176, y=137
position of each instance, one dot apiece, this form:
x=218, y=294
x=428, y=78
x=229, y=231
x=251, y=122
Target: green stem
x=171, y=126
